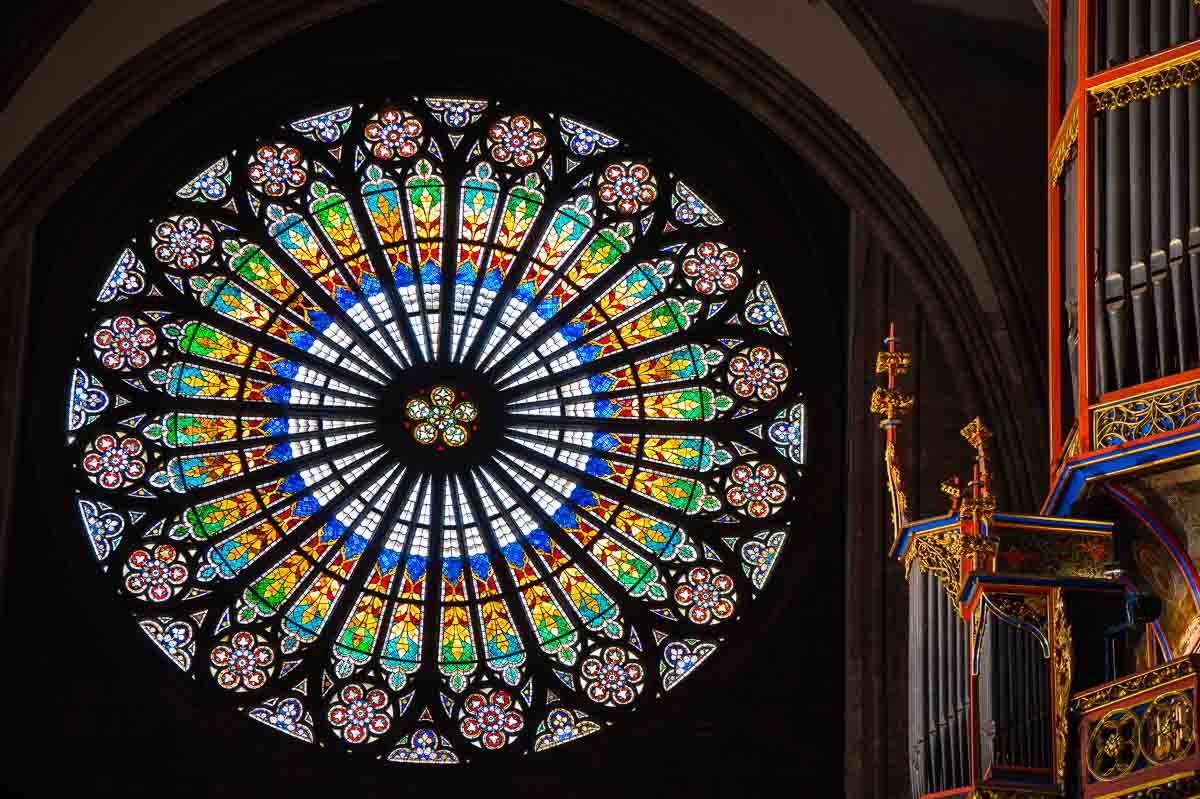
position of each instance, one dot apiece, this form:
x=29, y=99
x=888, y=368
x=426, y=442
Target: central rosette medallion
x=441, y=417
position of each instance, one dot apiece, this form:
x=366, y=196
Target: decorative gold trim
x=1064, y=143
x=980, y=503
x=1184, y=781
x=940, y=554
x=1166, y=727
x=1073, y=442
x=1147, y=83
x=952, y=488
x=1015, y=609
x=896, y=490
x=985, y=792
x=1062, y=687
x=889, y=403
x=1145, y=415
x=887, y=360
x=1132, y=686
x=1117, y=737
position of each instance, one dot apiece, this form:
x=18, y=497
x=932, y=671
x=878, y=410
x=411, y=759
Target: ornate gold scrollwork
x=1064, y=144
x=1166, y=729
x=1115, y=692
x=1148, y=83
x=889, y=403
x=891, y=362
x=940, y=554
x=1028, y=609
x=1073, y=442
x=1062, y=686
x=981, y=549
x=1114, y=745
x=1147, y=415
x=896, y=490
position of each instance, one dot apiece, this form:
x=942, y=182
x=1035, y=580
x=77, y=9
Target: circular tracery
x=438, y=427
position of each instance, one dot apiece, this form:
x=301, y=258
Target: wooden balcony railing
x=1137, y=736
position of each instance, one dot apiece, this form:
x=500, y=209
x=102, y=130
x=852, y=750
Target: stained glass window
x=436, y=428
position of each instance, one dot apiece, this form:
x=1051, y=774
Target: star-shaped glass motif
x=441, y=418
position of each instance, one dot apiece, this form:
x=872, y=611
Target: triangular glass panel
x=689, y=209
x=584, y=139
x=325, y=127
x=209, y=186
x=403, y=703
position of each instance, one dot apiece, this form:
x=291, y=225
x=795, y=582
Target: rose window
x=445, y=430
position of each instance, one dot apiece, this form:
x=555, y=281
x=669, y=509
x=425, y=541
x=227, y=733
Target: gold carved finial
x=888, y=402
x=976, y=433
